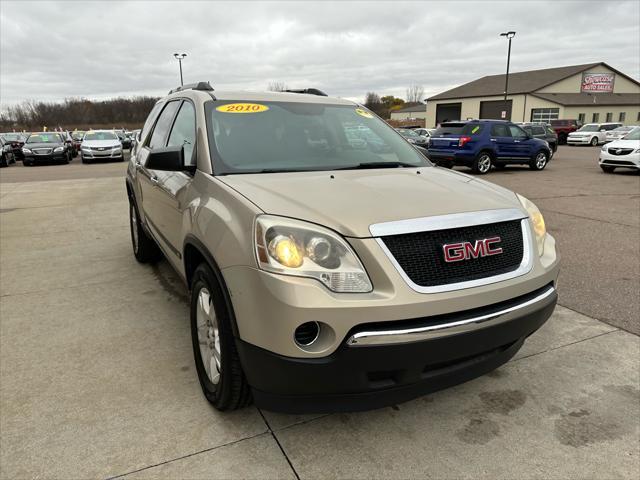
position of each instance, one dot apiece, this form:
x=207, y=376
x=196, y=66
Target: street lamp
x=180, y=56
x=509, y=35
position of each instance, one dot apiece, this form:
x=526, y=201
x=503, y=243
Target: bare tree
x=277, y=86
x=415, y=94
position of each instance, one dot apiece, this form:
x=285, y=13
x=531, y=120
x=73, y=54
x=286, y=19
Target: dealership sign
x=597, y=82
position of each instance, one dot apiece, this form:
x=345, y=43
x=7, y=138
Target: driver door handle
x=154, y=179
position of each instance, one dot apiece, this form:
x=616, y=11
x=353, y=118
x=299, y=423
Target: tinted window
x=150, y=119
x=472, y=129
x=449, y=129
x=516, y=131
x=163, y=124
x=537, y=130
x=184, y=131
x=500, y=130
x=610, y=127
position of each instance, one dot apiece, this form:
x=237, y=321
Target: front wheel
x=482, y=163
x=607, y=168
x=594, y=142
x=539, y=162
x=217, y=361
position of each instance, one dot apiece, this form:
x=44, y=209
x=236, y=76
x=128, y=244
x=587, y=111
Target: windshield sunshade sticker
x=242, y=108
x=363, y=113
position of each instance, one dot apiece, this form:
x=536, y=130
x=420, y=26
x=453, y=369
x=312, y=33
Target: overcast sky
x=53, y=50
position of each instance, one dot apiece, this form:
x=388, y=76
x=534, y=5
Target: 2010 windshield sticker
x=363, y=113
x=475, y=129
x=242, y=108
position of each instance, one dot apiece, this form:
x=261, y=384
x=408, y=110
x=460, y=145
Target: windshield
x=291, y=136
x=407, y=133
x=13, y=137
x=77, y=135
x=449, y=129
x=44, y=138
x=633, y=135
x=100, y=136
x=589, y=128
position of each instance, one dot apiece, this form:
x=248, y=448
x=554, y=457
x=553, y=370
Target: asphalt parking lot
x=97, y=377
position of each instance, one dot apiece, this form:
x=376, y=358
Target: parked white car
x=618, y=133
x=591, y=134
x=624, y=153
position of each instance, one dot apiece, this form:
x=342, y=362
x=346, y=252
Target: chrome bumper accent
x=389, y=337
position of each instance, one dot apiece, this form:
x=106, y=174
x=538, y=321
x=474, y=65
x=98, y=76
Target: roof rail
x=205, y=86
x=309, y=91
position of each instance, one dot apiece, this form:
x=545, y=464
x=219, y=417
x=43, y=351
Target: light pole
x=509, y=35
x=180, y=56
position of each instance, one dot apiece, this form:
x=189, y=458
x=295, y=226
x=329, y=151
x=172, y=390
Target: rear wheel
x=594, y=142
x=539, y=161
x=482, y=163
x=216, y=357
x=144, y=247
x=607, y=168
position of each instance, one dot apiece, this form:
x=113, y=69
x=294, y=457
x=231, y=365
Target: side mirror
x=170, y=159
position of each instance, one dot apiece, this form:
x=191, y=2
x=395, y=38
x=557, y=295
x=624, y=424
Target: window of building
x=638, y=119
x=581, y=117
x=622, y=117
x=544, y=115
x=609, y=117
x=595, y=118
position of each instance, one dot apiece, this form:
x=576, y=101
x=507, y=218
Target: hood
x=101, y=143
x=349, y=201
x=624, y=144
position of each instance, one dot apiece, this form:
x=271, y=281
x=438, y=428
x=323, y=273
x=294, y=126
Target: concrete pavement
x=97, y=377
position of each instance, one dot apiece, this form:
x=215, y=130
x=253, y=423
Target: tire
x=607, y=168
x=144, y=247
x=539, y=161
x=27, y=163
x=562, y=138
x=224, y=384
x=594, y=142
x=482, y=163
x=85, y=160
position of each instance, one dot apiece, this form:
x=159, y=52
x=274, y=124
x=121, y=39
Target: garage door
x=496, y=110
x=448, y=111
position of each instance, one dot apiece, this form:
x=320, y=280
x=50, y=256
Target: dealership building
x=594, y=92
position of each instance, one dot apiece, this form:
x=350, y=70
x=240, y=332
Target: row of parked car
x=483, y=144
x=63, y=146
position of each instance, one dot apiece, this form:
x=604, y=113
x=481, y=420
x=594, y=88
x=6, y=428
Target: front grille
x=620, y=151
x=42, y=151
x=421, y=254
x=101, y=149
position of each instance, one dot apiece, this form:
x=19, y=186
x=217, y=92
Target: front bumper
x=102, y=154
x=48, y=158
x=631, y=160
x=360, y=376
x=579, y=140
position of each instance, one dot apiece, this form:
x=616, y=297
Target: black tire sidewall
x=533, y=164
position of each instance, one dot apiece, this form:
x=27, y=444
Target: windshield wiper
x=379, y=165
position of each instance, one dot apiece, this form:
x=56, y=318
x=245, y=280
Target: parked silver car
x=101, y=145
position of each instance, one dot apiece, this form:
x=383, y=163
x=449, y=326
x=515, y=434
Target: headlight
x=411, y=140
x=293, y=247
x=26, y=150
x=58, y=149
x=537, y=220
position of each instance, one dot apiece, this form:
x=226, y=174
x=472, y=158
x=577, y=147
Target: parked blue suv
x=480, y=144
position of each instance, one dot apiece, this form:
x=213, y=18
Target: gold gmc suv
x=331, y=266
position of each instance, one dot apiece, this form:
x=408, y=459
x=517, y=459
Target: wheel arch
x=195, y=253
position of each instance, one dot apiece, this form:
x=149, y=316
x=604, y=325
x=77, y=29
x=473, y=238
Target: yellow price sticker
x=363, y=113
x=242, y=108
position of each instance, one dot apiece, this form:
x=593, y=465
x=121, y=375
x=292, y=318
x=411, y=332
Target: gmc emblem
x=456, y=252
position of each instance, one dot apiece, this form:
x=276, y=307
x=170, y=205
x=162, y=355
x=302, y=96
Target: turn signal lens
x=286, y=251
x=537, y=221
x=538, y=224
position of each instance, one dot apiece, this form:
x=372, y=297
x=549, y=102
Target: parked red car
x=564, y=127
x=76, y=136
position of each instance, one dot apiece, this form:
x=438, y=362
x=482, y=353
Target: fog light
x=307, y=333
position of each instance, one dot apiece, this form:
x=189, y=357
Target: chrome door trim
x=462, y=220
x=408, y=335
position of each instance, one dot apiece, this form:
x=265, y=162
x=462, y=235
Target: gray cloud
x=53, y=50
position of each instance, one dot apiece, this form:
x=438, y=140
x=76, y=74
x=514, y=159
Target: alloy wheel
x=208, y=336
x=541, y=160
x=484, y=163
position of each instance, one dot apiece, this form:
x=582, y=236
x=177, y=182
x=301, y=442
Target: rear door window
x=500, y=130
